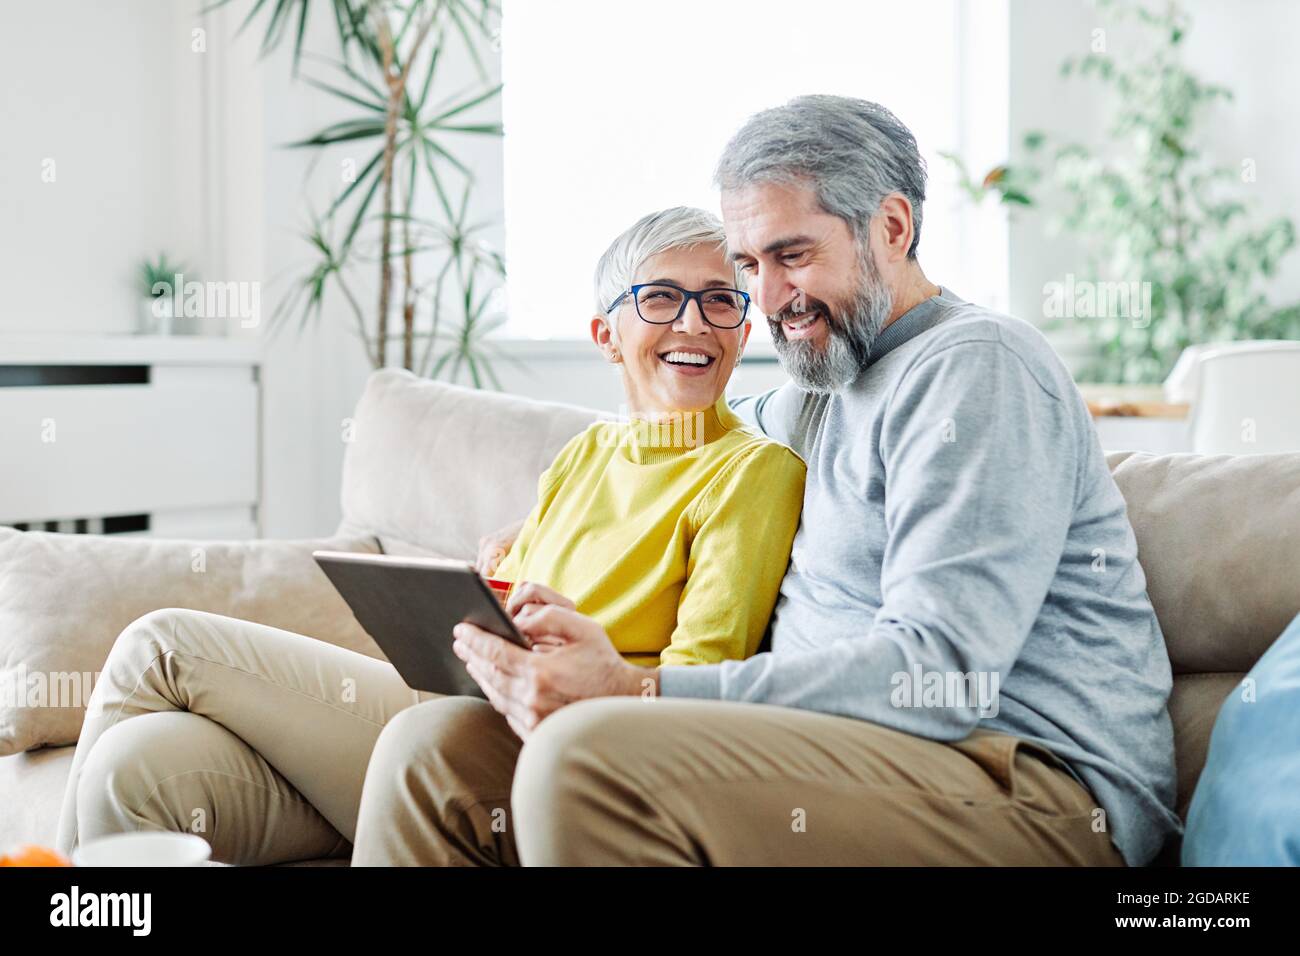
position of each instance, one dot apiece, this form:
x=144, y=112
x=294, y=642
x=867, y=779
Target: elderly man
x=965, y=667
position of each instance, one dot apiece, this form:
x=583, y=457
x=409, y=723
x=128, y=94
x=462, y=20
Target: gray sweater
x=959, y=520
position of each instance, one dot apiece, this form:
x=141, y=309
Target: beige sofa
x=430, y=467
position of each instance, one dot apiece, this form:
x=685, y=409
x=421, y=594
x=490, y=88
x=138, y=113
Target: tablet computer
x=409, y=606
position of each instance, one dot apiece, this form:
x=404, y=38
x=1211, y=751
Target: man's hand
x=572, y=660
x=493, y=548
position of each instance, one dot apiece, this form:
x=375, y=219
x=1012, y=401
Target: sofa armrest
x=64, y=599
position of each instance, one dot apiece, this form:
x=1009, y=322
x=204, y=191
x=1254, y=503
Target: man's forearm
x=851, y=678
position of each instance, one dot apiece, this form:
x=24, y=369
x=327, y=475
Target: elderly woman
x=671, y=528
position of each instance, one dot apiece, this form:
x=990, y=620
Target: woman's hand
x=531, y=595
x=493, y=548
x=530, y=592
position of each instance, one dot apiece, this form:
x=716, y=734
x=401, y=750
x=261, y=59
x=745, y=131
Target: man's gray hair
x=681, y=227
x=851, y=152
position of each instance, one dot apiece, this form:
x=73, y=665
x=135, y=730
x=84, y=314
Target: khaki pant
x=276, y=747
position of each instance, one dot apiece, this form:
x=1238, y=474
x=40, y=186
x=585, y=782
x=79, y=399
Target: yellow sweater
x=675, y=538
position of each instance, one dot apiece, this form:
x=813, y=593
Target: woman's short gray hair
x=680, y=227
x=853, y=153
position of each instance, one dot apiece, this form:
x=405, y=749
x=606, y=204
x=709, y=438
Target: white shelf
x=74, y=348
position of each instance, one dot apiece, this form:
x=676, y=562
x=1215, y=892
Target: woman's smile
x=689, y=361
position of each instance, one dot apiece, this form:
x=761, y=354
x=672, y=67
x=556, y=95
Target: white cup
x=143, y=849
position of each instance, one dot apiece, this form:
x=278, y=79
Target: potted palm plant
x=405, y=212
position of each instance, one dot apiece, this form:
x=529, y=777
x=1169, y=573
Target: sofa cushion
x=31, y=793
x=64, y=598
x=430, y=467
x=1219, y=540
x=1193, y=707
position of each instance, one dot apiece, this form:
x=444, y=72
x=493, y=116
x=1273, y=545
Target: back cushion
x=1219, y=539
x=432, y=467
x=1194, y=705
x=64, y=599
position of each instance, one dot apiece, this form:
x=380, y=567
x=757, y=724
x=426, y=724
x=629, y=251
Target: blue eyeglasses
x=660, y=303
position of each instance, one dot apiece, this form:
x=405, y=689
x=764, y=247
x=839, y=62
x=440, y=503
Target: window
x=612, y=110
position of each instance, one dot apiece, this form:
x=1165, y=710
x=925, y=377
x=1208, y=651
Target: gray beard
x=853, y=327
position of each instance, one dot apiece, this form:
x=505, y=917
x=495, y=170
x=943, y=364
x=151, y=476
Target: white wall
x=112, y=94
x=305, y=377
x=1248, y=47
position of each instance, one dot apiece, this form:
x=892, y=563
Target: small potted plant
x=156, y=287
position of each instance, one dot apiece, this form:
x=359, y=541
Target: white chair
x=1247, y=399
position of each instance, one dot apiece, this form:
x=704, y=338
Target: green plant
x=1155, y=209
x=1154, y=212
x=156, y=278
x=1010, y=184
x=390, y=52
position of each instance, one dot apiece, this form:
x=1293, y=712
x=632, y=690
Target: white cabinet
x=130, y=434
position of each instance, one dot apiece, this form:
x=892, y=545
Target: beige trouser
x=253, y=737
x=261, y=740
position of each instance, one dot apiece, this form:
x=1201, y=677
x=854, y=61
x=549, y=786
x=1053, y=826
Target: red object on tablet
x=500, y=588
